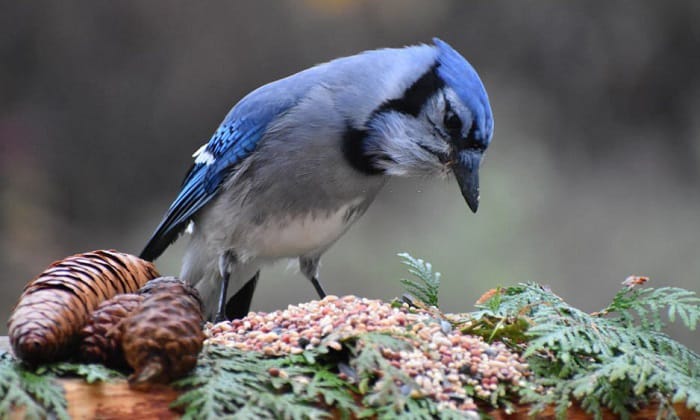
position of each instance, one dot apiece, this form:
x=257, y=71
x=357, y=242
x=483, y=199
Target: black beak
x=466, y=169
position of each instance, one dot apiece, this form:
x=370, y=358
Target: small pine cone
x=102, y=337
x=172, y=284
x=162, y=339
x=46, y=322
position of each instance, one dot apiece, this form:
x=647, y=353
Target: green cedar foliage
x=427, y=285
x=20, y=388
x=241, y=384
x=617, y=358
x=35, y=390
x=246, y=384
x=91, y=372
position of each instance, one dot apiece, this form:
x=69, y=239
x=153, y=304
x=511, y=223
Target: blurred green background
x=593, y=173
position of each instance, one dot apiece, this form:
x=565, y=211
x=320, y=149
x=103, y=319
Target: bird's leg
x=239, y=305
x=309, y=267
x=226, y=261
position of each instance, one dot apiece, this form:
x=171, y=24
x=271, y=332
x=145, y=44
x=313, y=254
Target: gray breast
x=296, y=192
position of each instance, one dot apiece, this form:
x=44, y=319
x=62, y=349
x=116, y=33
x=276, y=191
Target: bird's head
x=441, y=124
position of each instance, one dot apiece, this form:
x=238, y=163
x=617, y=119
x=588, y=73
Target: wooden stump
x=114, y=400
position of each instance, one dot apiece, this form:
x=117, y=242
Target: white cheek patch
x=203, y=156
x=406, y=140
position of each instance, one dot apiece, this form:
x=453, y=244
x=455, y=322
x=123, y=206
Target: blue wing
x=233, y=141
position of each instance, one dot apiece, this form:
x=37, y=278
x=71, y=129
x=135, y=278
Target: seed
x=441, y=360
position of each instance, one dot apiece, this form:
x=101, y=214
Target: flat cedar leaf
x=427, y=285
x=310, y=357
x=91, y=372
x=616, y=358
x=672, y=314
x=39, y=395
x=238, y=384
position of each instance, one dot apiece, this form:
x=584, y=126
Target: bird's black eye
x=452, y=122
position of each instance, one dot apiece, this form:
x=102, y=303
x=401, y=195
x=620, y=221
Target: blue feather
x=456, y=71
x=231, y=144
x=234, y=140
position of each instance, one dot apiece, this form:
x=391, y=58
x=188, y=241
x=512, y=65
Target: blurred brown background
x=593, y=173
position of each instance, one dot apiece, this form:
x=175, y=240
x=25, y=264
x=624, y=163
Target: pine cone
x=169, y=283
x=102, y=335
x=48, y=317
x=162, y=339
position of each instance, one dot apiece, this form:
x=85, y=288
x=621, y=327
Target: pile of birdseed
x=442, y=361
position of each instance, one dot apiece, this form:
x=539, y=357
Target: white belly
x=301, y=235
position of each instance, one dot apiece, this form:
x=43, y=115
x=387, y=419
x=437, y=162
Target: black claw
x=225, y=269
x=318, y=287
x=239, y=305
x=222, y=300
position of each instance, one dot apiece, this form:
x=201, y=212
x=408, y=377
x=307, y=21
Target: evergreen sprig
x=386, y=391
x=35, y=389
x=385, y=388
x=616, y=358
x=247, y=384
x=425, y=288
x=90, y=372
x=38, y=395
x=645, y=306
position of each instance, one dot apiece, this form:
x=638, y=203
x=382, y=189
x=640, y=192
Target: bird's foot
x=220, y=317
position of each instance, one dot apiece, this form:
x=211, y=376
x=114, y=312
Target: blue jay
x=299, y=160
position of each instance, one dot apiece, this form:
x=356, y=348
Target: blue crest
x=456, y=71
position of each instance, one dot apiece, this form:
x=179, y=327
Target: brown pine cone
x=169, y=283
x=102, y=336
x=54, y=307
x=162, y=339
